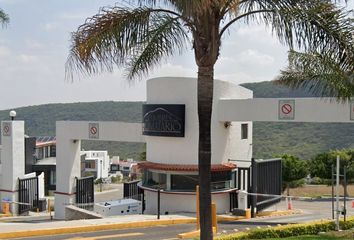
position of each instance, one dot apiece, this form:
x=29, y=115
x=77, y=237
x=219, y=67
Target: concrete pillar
x=67, y=168
x=12, y=160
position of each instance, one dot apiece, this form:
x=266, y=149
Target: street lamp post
x=12, y=115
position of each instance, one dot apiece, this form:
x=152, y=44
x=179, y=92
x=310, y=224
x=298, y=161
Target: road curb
x=278, y=213
x=92, y=228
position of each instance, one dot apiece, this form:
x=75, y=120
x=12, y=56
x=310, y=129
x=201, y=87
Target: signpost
x=286, y=110
x=6, y=129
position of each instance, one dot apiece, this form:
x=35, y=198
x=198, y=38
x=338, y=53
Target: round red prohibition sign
x=93, y=130
x=286, y=108
x=6, y=129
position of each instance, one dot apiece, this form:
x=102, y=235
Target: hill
x=269, y=139
x=40, y=121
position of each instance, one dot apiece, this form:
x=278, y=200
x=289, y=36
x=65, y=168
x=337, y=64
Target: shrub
x=115, y=179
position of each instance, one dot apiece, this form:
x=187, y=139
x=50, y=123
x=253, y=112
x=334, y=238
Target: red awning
x=185, y=167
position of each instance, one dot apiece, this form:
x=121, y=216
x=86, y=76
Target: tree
x=321, y=165
x=293, y=170
x=4, y=18
x=141, y=33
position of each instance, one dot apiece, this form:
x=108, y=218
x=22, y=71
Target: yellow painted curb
x=67, y=230
x=278, y=213
x=193, y=234
x=230, y=218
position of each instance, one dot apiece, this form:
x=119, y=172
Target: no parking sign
x=94, y=130
x=286, y=110
x=6, y=129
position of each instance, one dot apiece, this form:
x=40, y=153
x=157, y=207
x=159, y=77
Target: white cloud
x=50, y=26
x=74, y=16
x=30, y=43
x=254, y=57
x=29, y=59
x=170, y=69
x=4, y=52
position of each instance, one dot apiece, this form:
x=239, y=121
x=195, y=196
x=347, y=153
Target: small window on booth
x=244, y=131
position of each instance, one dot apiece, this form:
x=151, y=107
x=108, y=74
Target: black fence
x=266, y=179
x=85, y=197
x=263, y=177
x=28, y=195
x=132, y=190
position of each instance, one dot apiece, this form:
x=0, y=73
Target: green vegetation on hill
x=269, y=139
x=40, y=121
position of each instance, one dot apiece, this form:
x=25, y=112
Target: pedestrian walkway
x=39, y=224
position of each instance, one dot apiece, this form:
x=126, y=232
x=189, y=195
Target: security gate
x=263, y=177
x=266, y=179
x=132, y=190
x=28, y=194
x=85, y=192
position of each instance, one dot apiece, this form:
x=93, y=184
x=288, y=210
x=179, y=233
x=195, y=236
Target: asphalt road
x=312, y=210
x=162, y=232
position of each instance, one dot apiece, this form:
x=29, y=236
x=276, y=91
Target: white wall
x=99, y=156
x=175, y=150
x=68, y=137
x=267, y=109
x=13, y=161
x=174, y=203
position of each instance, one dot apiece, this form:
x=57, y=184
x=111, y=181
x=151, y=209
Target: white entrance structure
x=12, y=164
x=69, y=136
x=172, y=161
x=12, y=160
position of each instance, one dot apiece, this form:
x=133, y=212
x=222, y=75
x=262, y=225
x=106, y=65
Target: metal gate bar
x=85, y=191
x=28, y=192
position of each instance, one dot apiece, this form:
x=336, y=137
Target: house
x=40, y=156
x=95, y=163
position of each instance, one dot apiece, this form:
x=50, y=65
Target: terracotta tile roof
x=185, y=167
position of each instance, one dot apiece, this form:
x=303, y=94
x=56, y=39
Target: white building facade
x=95, y=162
x=172, y=162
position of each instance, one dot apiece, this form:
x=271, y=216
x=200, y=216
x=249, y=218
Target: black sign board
x=165, y=120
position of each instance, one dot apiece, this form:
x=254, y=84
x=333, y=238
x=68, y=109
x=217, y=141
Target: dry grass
x=318, y=190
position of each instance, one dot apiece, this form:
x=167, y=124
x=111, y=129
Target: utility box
x=119, y=207
x=242, y=200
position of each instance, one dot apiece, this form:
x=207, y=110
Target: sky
x=35, y=45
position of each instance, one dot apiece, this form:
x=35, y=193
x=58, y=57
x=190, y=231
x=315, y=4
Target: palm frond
x=4, y=18
x=319, y=74
x=316, y=25
x=187, y=8
x=116, y=36
x=163, y=40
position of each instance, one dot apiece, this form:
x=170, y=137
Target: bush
x=290, y=230
x=115, y=179
x=98, y=181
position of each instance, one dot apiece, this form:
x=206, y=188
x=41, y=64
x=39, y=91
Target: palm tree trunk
x=205, y=100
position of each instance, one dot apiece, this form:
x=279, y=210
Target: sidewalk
x=39, y=224
x=16, y=227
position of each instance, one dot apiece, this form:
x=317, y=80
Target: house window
x=53, y=177
x=90, y=165
x=154, y=180
x=244, y=131
x=184, y=182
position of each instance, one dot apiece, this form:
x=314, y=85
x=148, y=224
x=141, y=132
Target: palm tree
x=141, y=33
x=4, y=18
